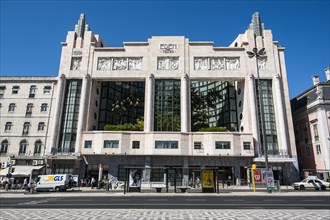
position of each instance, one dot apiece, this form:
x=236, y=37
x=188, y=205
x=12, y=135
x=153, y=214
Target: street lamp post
x=255, y=53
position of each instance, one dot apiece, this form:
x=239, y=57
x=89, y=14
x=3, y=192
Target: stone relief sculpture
x=217, y=63
x=168, y=63
x=75, y=63
x=134, y=63
x=262, y=61
x=104, y=64
x=232, y=63
x=201, y=63
x=119, y=64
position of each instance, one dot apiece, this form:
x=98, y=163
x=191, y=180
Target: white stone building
x=181, y=92
x=26, y=107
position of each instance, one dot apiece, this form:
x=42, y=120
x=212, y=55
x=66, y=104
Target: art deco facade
x=167, y=102
x=311, y=118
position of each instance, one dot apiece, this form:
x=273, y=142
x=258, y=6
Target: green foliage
x=201, y=107
x=126, y=104
x=138, y=126
x=216, y=129
x=167, y=122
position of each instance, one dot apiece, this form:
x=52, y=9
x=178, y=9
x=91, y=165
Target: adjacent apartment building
x=168, y=104
x=311, y=119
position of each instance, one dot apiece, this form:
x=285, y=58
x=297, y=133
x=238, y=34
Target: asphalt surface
x=169, y=202
x=231, y=203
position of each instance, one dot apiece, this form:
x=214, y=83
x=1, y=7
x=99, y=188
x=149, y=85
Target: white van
x=56, y=182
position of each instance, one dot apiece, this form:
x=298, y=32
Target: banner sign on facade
x=207, y=179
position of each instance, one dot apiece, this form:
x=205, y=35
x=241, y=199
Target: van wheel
x=302, y=187
x=323, y=187
x=57, y=189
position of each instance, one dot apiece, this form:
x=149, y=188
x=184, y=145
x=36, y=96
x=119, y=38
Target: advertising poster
x=134, y=178
x=269, y=178
x=207, y=179
x=257, y=176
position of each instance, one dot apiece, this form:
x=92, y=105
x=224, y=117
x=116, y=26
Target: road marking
x=313, y=200
x=195, y=200
x=77, y=200
x=233, y=200
x=157, y=200
x=119, y=200
x=33, y=202
x=273, y=200
x=194, y=204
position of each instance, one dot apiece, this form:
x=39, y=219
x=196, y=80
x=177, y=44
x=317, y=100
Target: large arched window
x=22, y=147
x=37, y=147
x=4, y=147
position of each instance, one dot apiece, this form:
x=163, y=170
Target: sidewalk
x=230, y=191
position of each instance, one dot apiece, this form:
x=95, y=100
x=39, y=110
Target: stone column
x=185, y=171
x=280, y=111
x=184, y=103
x=57, y=113
x=254, y=113
x=82, y=112
x=149, y=117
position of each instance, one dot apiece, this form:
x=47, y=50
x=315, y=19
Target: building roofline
x=310, y=89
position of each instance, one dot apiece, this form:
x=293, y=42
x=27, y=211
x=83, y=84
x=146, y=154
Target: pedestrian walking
x=197, y=182
x=93, y=182
x=237, y=182
x=25, y=183
x=110, y=183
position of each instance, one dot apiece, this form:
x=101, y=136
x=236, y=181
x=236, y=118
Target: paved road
x=233, y=197
x=169, y=202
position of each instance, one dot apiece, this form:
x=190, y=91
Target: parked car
x=311, y=183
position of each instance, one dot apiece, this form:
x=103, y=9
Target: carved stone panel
x=168, y=63
x=232, y=63
x=119, y=63
x=201, y=63
x=75, y=63
x=104, y=63
x=217, y=63
x=262, y=61
x=135, y=63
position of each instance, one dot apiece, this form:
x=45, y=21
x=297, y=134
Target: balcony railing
x=277, y=153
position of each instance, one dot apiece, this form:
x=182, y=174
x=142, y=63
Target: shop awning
x=20, y=171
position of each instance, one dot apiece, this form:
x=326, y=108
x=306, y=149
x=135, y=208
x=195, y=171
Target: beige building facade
x=168, y=103
x=311, y=118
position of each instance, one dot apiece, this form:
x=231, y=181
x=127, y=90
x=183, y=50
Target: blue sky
x=31, y=31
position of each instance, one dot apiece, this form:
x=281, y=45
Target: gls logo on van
x=53, y=178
